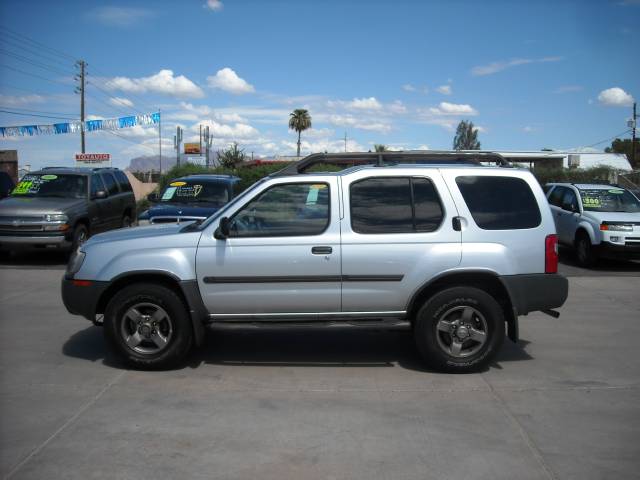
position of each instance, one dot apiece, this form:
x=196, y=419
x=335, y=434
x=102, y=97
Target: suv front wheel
x=459, y=329
x=148, y=326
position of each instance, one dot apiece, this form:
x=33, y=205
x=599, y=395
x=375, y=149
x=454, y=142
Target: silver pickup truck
x=436, y=242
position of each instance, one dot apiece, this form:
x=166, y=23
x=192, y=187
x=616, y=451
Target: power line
x=129, y=140
x=24, y=38
x=34, y=115
x=34, y=75
x=35, y=63
x=20, y=45
x=36, y=111
x=608, y=139
x=115, y=98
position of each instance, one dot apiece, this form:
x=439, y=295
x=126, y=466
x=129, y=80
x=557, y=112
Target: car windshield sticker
x=616, y=192
x=168, y=193
x=591, y=201
x=178, y=184
x=31, y=184
x=189, y=190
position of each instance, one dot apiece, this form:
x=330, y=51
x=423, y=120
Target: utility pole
x=177, y=140
x=200, y=139
x=208, y=139
x=633, y=137
x=160, y=138
x=345, y=141
x=80, y=89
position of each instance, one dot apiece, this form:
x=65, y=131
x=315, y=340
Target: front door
x=281, y=259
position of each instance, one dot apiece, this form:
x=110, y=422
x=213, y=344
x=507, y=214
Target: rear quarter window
x=500, y=203
x=123, y=181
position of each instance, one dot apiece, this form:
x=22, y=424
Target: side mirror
x=222, y=232
x=101, y=194
x=153, y=197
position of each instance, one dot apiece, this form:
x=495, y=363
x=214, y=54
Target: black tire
x=442, y=310
x=585, y=252
x=80, y=235
x=178, y=331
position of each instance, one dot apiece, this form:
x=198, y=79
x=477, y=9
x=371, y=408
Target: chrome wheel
x=461, y=331
x=146, y=328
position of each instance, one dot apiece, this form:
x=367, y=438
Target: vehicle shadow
x=34, y=259
x=310, y=348
x=567, y=257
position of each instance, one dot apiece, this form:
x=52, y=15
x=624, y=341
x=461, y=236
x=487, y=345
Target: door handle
x=321, y=250
x=456, y=224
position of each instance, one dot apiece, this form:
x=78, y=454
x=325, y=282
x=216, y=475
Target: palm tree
x=299, y=121
x=380, y=147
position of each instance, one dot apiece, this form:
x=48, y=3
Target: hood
x=134, y=233
x=26, y=206
x=181, y=210
x=627, y=217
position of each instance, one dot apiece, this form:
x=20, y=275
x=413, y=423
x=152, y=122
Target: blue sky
x=534, y=74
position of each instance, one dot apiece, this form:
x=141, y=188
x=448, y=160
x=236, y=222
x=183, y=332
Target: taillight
x=551, y=254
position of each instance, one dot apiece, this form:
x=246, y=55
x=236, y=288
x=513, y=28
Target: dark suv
x=61, y=207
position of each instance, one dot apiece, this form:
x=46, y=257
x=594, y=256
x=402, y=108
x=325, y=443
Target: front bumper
x=535, y=292
x=81, y=297
x=619, y=251
x=32, y=241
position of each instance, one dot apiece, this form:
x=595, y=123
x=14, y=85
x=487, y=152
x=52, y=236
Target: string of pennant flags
x=76, y=127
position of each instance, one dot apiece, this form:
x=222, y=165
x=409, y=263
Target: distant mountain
x=151, y=162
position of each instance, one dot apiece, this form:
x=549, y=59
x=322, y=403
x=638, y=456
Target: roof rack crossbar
x=379, y=158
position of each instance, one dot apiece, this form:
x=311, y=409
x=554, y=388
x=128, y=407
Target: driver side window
x=293, y=209
x=569, y=201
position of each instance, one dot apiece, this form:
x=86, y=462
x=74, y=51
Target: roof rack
x=383, y=159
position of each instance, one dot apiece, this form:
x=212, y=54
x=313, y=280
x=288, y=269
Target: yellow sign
x=178, y=184
x=192, y=148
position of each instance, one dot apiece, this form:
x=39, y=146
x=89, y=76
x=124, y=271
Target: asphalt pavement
x=564, y=403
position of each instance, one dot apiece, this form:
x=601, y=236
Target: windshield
x=612, y=200
x=49, y=185
x=193, y=191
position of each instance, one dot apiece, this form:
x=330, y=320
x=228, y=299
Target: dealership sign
x=93, y=159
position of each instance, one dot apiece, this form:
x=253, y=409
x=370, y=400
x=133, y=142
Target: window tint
x=110, y=183
x=385, y=205
x=569, y=200
x=500, y=203
x=123, y=181
x=427, y=205
x=556, y=196
x=293, y=209
x=96, y=184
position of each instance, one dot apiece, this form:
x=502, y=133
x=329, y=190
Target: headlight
x=75, y=262
x=56, y=218
x=616, y=227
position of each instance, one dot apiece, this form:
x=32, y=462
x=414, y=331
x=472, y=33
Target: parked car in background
x=194, y=197
x=6, y=184
x=422, y=247
x=596, y=220
x=62, y=207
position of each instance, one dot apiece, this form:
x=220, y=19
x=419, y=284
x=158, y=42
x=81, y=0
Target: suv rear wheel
x=459, y=329
x=148, y=326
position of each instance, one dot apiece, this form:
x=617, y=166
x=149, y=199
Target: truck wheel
x=126, y=221
x=80, y=235
x=585, y=253
x=148, y=326
x=459, y=329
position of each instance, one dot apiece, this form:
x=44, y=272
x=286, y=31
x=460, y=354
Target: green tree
x=624, y=146
x=299, y=120
x=379, y=147
x=466, y=137
x=232, y=156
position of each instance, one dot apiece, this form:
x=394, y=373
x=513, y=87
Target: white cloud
x=325, y=145
x=163, y=82
x=351, y=121
x=227, y=80
x=12, y=101
x=446, y=108
x=496, y=67
x=444, y=89
x=214, y=5
x=120, y=16
x=527, y=129
x=407, y=87
x=423, y=147
x=120, y=102
x=370, y=103
x=230, y=132
x=615, y=97
x=397, y=107
x=480, y=129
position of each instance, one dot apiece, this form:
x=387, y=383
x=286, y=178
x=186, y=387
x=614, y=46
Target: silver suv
x=450, y=248
x=596, y=220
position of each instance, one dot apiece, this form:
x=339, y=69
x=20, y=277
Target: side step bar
x=384, y=324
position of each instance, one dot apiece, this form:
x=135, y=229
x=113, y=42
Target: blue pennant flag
x=127, y=121
x=61, y=127
x=93, y=125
